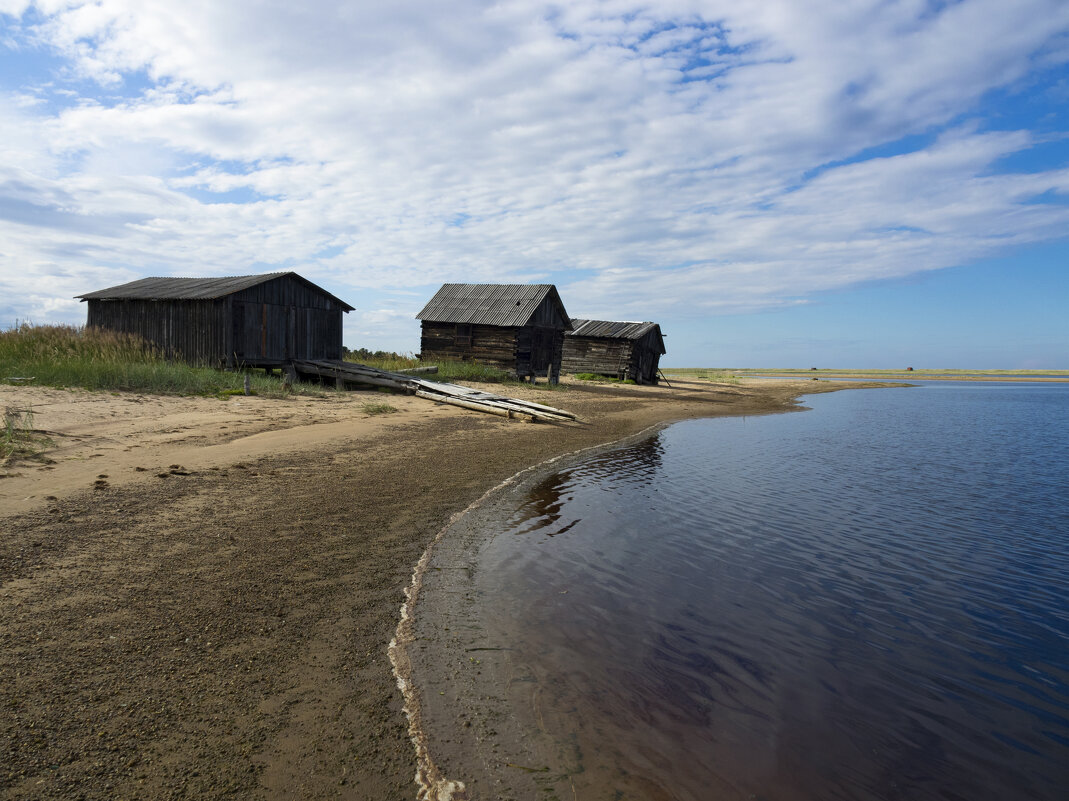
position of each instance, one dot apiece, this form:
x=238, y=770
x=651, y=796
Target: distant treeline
x=363, y=355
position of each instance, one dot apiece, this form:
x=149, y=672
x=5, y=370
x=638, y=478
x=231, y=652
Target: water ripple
x=867, y=601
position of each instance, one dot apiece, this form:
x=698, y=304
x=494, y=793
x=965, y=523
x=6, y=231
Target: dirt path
x=215, y=623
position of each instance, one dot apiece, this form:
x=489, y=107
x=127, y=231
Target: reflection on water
x=868, y=601
x=542, y=511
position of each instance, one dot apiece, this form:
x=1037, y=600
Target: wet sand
x=197, y=595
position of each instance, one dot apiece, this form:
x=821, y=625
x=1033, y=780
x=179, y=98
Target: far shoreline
x=899, y=375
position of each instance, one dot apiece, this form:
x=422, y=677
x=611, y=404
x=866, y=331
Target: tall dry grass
x=92, y=358
x=18, y=439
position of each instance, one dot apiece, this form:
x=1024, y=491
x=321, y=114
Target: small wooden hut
x=256, y=320
x=517, y=327
x=617, y=349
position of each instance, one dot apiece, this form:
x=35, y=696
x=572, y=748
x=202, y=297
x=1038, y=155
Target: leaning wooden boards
x=453, y=394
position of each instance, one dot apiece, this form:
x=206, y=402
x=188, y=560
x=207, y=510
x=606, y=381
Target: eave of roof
x=508, y=305
x=610, y=329
x=195, y=288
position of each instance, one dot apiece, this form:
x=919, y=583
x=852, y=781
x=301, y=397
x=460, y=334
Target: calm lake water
x=869, y=600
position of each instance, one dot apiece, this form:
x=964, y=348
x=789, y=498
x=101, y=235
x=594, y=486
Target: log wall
x=603, y=356
x=490, y=344
x=636, y=360
x=523, y=351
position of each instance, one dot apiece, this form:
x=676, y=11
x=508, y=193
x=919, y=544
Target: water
x=869, y=600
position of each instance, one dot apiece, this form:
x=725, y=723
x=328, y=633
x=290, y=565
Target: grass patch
x=91, y=358
x=603, y=379
x=473, y=371
x=448, y=370
x=378, y=408
x=18, y=440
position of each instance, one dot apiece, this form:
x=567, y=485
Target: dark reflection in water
x=630, y=467
x=867, y=601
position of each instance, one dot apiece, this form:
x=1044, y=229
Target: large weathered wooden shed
x=517, y=327
x=255, y=320
x=618, y=349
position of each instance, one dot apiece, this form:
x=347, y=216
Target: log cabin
x=628, y=351
x=516, y=327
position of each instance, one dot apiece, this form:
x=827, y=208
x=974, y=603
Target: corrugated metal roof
x=193, y=288
x=609, y=329
x=489, y=304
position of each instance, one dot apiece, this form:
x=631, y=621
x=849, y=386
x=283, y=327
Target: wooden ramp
x=411, y=384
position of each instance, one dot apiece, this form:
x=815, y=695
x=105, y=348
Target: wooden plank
x=453, y=401
x=441, y=392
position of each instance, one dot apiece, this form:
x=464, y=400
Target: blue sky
x=869, y=183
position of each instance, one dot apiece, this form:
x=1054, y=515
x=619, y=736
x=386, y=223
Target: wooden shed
x=255, y=320
x=517, y=327
x=618, y=349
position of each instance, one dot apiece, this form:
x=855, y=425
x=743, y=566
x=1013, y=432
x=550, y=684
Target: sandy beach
x=197, y=595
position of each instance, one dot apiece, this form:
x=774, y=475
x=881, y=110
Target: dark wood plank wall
x=537, y=349
x=647, y=358
x=190, y=330
x=285, y=319
x=287, y=291
x=548, y=314
x=270, y=323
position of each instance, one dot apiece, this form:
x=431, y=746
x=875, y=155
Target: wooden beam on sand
x=441, y=392
x=478, y=407
x=468, y=393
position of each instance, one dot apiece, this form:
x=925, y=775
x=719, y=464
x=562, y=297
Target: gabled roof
x=609, y=329
x=511, y=305
x=195, y=288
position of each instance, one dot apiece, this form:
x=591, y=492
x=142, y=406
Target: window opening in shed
x=463, y=334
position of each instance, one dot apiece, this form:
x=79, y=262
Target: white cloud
x=646, y=158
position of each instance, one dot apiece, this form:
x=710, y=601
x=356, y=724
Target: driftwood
x=454, y=394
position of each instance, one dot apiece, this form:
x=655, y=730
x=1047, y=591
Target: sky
x=778, y=183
